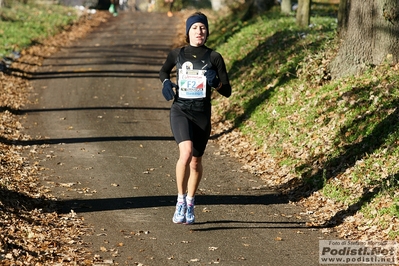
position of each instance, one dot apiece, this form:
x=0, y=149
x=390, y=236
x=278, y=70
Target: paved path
x=112, y=156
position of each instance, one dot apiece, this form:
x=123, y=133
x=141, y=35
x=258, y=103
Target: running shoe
x=180, y=214
x=111, y=8
x=190, y=217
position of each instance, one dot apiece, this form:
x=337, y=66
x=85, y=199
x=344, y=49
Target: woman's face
x=197, y=34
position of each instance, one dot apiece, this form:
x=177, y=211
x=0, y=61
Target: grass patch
x=337, y=193
x=383, y=209
x=337, y=137
x=23, y=25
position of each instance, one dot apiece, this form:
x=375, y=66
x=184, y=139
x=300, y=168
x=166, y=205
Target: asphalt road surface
x=112, y=157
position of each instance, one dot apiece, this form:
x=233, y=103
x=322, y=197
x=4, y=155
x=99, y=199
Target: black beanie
x=197, y=18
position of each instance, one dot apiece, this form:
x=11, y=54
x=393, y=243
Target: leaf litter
x=346, y=219
x=32, y=233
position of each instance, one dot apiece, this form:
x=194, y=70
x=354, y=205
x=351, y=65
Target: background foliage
x=330, y=145
x=23, y=25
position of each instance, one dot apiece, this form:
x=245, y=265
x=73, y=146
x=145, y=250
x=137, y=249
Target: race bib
x=192, y=82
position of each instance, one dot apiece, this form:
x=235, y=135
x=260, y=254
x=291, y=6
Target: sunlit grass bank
x=331, y=145
x=23, y=25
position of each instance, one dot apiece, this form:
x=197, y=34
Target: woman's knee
x=196, y=163
x=186, y=152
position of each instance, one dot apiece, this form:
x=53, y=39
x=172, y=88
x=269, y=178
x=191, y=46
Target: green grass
x=338, y=136
x=22, y=25
x=379, y=210
x=337, y=193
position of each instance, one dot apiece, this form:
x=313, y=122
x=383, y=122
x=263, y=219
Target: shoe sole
x=188, y=223
x=177, y=222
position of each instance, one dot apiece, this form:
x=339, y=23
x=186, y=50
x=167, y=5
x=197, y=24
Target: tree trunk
x=256, y=7
x=259, y=6
x=369, y=31
x=217, y=4
x=342, y=19
x=303, y=13
x=286, y=6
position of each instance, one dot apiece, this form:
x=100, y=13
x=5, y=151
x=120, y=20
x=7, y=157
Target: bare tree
x=286, y=6
x=369, y=31
x=256, y=7
x=303, y=13
x=262, y=5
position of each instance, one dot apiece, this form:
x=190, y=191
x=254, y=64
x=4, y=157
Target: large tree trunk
x=369, y=31
x=262, y=5
x=342, y=18
x=217, y=4
x=256, y=7
x=286, y=6
x=303, y=13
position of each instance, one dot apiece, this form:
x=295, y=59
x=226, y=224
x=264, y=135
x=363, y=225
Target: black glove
x=167, y=89
x=211, y=78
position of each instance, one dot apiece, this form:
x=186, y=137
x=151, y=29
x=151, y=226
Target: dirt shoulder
x=100, y=160
x=31, y=229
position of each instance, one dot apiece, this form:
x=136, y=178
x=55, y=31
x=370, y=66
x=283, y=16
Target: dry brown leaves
x=260, y=163
x=33, y=56
x=332, y=216
x=31, y=232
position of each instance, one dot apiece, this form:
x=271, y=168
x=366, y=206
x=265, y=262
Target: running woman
x=199, y=69
x=113, y=8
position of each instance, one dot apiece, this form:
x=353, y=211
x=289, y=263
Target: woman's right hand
x=167, y=89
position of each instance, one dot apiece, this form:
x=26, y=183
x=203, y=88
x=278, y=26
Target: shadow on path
x=110, y=204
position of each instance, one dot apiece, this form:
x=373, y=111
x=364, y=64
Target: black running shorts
x=188, y=122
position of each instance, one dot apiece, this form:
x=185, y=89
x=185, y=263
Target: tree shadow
x=15, y=209
x=9, y=109
x=320, y=172
x=245, y=225
x=118, y=54
x=18, y=204
x=29, y=142
x=370, y=192
x=229, y=25
x=314, y=179
x=13, y=201
x=83, y=140
x=149, y=74
x=102, y=61
x=279, y=49
x=140, y=202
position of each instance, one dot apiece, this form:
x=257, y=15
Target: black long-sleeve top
x=192, y=52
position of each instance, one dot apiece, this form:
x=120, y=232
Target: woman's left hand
x=212, y=78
